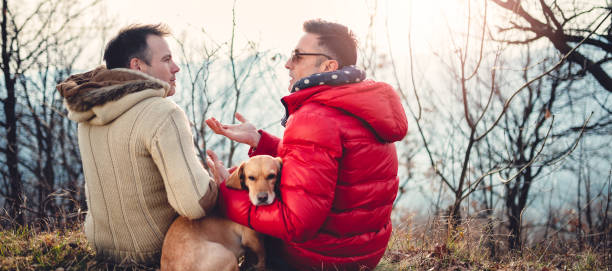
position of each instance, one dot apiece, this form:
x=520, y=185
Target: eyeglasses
x=296, y=56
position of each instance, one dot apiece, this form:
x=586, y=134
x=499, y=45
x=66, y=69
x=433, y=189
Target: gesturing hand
x=216, y=167
x=244, y=132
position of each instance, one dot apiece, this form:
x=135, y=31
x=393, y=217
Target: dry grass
x=24, y=248
x=413, y=246
x=474, y=246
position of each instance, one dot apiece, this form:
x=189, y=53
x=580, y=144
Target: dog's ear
x=279, y=163
x=236, y=179
x=242, y=178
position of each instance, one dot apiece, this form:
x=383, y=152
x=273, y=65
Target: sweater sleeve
x=310, y=151
x=189, y=188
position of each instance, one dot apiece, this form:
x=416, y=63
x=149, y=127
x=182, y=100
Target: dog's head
x=259, y=175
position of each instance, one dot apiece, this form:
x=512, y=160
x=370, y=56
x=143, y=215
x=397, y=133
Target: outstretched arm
x=244, y=132
x=311, y=149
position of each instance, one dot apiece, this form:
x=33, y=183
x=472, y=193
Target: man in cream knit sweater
x=140, y=165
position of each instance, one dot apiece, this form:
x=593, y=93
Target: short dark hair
x=338, y=39
x=131, y=42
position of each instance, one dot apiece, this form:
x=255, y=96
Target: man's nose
x=175, y=68
x=288, y=64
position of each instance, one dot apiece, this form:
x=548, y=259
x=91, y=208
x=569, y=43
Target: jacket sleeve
x=268, y=144
x=310, y=151
x=189, y=188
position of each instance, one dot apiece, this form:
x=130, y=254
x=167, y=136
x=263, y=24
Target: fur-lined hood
x=101, y=95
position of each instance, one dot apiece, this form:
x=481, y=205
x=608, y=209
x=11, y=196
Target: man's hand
x=245, y=132
x=216, y=167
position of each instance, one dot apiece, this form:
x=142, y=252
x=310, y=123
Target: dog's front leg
x=254, y=241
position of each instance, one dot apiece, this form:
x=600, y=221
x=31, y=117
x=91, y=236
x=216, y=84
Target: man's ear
x=235, y=180
x=135, y=64
x=329, y=65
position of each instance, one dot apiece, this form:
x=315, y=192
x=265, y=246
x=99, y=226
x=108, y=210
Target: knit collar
x=346, y=75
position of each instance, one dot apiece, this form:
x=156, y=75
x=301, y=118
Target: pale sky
x=277, y=24
x=274, y=24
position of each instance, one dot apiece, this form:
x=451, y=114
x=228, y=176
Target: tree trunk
x=454, y=214
x=514, y=225
x=9, y=105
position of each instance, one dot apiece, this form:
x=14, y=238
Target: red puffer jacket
x=339, y=177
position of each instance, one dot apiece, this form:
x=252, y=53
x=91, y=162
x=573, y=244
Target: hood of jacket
x=375, y=103
x=100, y=96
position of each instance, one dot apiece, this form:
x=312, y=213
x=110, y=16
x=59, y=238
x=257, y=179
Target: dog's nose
x=262, y=197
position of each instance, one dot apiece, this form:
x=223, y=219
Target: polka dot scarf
x=346, y=75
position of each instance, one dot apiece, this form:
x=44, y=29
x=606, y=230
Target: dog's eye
x=251, y=178
x=271, y=176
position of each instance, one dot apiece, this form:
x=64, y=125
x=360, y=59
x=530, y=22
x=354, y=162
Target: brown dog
x=215, y=243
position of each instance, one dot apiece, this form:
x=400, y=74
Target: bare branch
x=526, y=41
x=561, y=61
x=556, y=37
x=515, y=26
x=548, y=13
x=570, y=150
x=417, y=117
x=580, y=14
x=534, y=157
x=482, y=38
x=431, y=160
x=493, y=72
x=603, y=45
x=473, y=187
x=416, y=95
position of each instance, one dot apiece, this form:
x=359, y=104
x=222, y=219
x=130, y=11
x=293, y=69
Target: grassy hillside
x=409, y=249
x=66, y=249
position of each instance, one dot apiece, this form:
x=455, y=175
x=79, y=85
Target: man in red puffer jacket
x=339, y=175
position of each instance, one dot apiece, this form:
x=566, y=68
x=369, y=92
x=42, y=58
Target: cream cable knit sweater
x=140, y=168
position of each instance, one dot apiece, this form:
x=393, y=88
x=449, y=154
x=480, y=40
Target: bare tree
x=239, y=76
x=527, y=127
x=553, y=93
x=465, y=64
x=494, y=126
x=14, y=189
x=566, y=23
x=196, y=64
x=30, y=40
